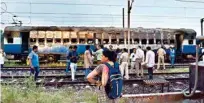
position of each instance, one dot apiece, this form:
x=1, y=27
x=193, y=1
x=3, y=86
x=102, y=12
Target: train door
x=25, y=38
x=179, y=40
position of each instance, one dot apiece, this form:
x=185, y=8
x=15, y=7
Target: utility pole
x=123, y=13
x=201, y=22
x=129, y=11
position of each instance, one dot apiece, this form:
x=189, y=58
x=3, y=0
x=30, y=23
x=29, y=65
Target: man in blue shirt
x=73, y=57
x=172, y=56
x=34, y=62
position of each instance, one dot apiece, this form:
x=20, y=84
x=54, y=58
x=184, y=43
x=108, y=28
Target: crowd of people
x=139, y=59
x=112, y=66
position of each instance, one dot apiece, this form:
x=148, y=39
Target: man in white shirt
x=124, y=63
x=133, y=58
x=161, y=55
x=150, y=62
x=139, y=59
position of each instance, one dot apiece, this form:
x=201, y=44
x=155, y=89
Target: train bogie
x=55, y=41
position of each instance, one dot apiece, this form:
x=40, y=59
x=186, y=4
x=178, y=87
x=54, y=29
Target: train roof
x=190, y=32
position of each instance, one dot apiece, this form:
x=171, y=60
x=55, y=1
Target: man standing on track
x=161, y=57
x=88, y=60
x=172, y=56
x=139, y=59
x=124, y=63
x=149, y=62
x=73, y=56
x=34, y=62
x=133, y=58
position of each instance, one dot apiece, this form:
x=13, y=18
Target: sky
x=104, y=13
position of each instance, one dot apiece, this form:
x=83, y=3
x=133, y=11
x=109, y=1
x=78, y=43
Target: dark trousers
x=68, y=67
x=2, y=66
x=172, y=58
x=35, y=71
x=87, y=71
x=150, y=72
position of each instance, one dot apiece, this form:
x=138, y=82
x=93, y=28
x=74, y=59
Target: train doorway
x=25, y=38
x=179, y=40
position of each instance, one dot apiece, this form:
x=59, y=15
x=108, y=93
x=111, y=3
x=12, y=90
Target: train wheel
x=51, y=58
x=23, y=59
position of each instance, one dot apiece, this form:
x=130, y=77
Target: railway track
x=79, y=75
x=59, y=80
x=62, y=68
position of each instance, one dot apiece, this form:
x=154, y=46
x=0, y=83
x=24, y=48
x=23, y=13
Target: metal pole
x=128, y=26
x=123, y=18
x=123, y=13
x=201, y=22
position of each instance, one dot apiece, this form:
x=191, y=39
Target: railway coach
x=53, y=42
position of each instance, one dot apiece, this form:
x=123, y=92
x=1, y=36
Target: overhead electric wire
x=106, y=15
x=192, y=1
x=109, y=17
x=94, y=4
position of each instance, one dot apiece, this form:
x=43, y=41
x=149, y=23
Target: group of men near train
x=138, y=59
x=112, y=67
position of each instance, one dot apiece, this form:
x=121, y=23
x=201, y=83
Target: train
x=54, y=41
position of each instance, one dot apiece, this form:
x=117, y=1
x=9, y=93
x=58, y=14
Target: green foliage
x=30, y=93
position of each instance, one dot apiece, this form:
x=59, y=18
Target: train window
x=136, y=41
x=74, y=41
x=158, y=41
x=105, y=41
x=144, y=41
x=99, y=41
x=81, y=41
x=49, y=40
x=151, y=41
x=57, y=40
x=33, y=40
x=66, y=40
x=90, y=41
x=172, y=41
x=190, y=41
x=165, y=41
x=114, y=41
x=10, y=40
x=41, y=41
x=121, y=41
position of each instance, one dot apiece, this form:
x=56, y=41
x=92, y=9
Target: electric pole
x=201, y=22
x=129, y=11
x=123, y=13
